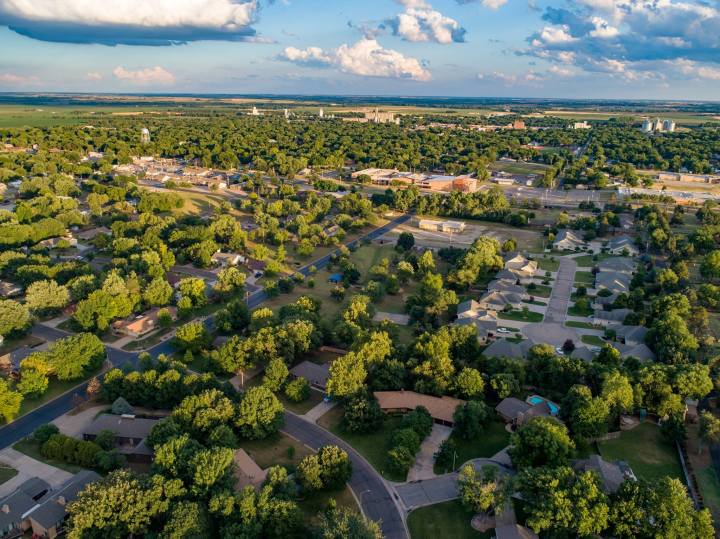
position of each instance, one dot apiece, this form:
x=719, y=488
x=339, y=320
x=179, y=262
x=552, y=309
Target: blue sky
x=664, y=49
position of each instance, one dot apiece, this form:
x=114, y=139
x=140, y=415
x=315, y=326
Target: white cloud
x=13, y=79
x=603, y=29
x=93, y=76
x=693, y=69
x=149, y=75
x=366, y=58
x=420, y=22
x=531, y=78
x=494, y=4
x=553, y=35
x=561, y=71
x=129, y=21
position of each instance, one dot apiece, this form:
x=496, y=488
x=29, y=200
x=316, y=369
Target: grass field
x=447, y=520
x=581, y=325
x=32, y=449
x=588, y=261
x=316, y=502
x=540, y=291
x=575, y=311
x=521, y=316
x=494, y=439
x=592, y=340
x=547, y=264
x=650, y=456
x=519, y=167
x=275, y=451
x=373, y=446
x=7, y=473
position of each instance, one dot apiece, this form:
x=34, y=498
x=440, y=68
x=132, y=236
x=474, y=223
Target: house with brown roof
x=89, y=234
x=247, y=472
x=141, y=324
x=399, y=402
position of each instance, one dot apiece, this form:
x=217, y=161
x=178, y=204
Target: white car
x=503, y=330
x=559, y=350
x=595, y=349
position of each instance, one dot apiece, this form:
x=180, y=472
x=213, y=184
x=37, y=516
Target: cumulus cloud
x=631, y=39
x=420, y=22
x=366, y=58
x=130, y=22
x=93, y=76
x=490, y=4
x=147, y=76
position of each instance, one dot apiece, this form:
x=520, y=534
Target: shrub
x=43, y=433
x=419, y=420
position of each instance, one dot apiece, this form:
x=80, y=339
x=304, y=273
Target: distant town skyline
x=636, y=49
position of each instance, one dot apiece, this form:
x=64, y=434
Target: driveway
x=438, y=489
x=27, y=468
x=562, y=290
x=425, y=461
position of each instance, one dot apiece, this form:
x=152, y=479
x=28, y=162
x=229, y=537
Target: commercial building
x=441, y=226
x=433, y=182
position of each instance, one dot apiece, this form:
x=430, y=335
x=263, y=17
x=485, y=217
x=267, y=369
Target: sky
x=624, y=49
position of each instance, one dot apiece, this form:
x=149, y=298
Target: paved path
x=438, y=489
x=562, y=290
x=425, y=460
x=28, y=467
x=319, y=410
x=369, y=488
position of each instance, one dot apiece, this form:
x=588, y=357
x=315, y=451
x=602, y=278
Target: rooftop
x=441, y=408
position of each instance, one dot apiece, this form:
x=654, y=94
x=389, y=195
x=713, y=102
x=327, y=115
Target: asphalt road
x=366, y=483
x=374, y=495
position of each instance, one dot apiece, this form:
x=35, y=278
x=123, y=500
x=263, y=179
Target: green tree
x=192, y=336
x=298, y=390
x=469, y=383
x=343, y=523
x=710, y=265
x=542, y=441
x=14, y=318
x=158, y=292
x=586, y=414
x=187, y=520
x=470, y=419
x=259, y=414
x=10, y=401
x=45, y=297
x=230, y=280
x=33, y=383
x=484, y=492
x=276, y=373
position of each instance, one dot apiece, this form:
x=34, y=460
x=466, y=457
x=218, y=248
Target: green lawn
x=372, y=446
x=548, y=264
x=494, y=439
x=521, y=316
x=32, y=449
x=540, y=291
x=592, y=340
x=648, y=453
x=574, y=311
x=274, y=451
x=710, y=489
x=581, y=325
x=7, y=473
x=296, y=407
x=588, y=261
x=447, y=520
x=316, y=502
x=584, y=278
x=9, y=345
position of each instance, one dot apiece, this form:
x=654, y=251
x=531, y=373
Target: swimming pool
x=537, y=399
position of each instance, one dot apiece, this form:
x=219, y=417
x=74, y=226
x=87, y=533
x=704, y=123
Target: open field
x=519, y=167
x=650, y=456
x=527, y=239
x=278, y=449
x=681, y=118
x=447, y=520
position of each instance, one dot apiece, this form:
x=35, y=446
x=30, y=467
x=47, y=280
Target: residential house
x=142, y=324
x=616, y=283
x=583, y=353
x=620, y=264
x=227, y=259
x=568, y=240
x=623, y=245
x=89, y=234
x=506, y=285
x=504, y=348
x=130, y=434
x=629, y=334
x=638, y=351
x=472, y=309
x=518, y=412
x=315, y=373
x=15, y=506
x=247, y=471
x=48, y=519
x=612, y=474
x=487, y=330
x=498, y=301
x=606, y=318
x=52, y=243
x=523, y=268
x=441, y=408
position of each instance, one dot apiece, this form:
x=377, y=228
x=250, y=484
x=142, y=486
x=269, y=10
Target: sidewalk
x=27, y=468
x=319, y=410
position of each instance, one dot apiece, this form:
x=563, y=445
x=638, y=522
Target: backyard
x=447, y=520
x=649, y=454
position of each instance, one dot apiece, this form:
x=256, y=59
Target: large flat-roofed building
x=441, y=226
x=434, y=182
x=440, y=408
